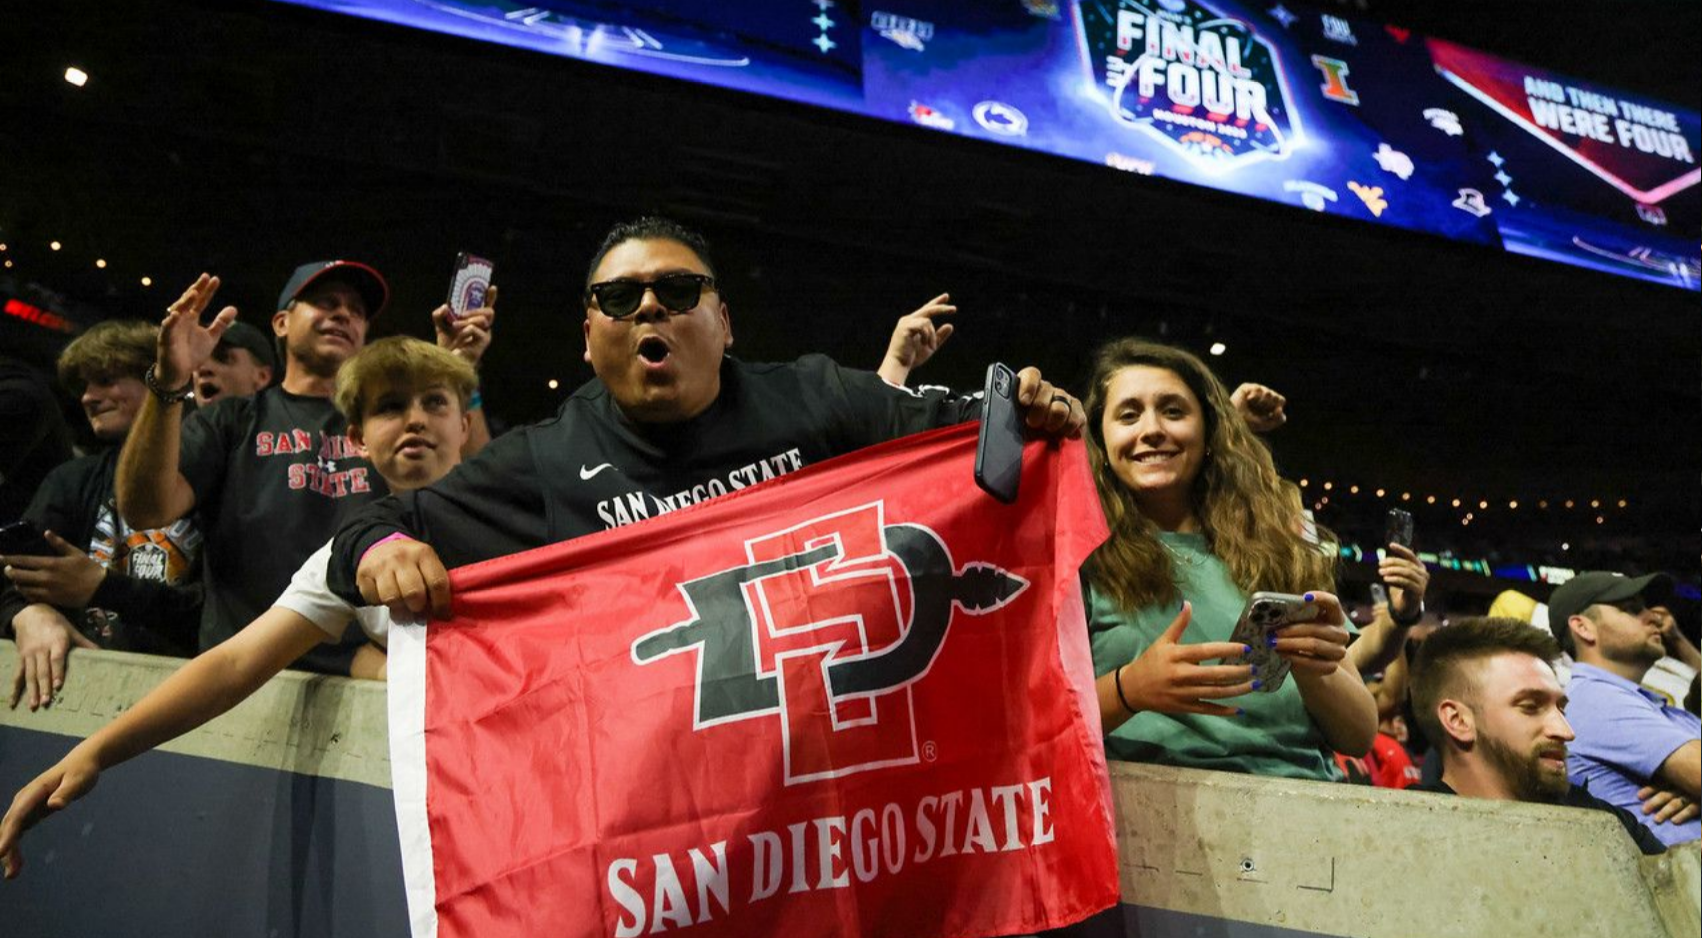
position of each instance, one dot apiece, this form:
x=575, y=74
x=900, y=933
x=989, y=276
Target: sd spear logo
x=828, y=626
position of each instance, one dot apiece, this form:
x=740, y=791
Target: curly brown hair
x=1247, y=517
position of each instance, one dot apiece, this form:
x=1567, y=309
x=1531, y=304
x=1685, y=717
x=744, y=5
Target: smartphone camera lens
x=1001, y=384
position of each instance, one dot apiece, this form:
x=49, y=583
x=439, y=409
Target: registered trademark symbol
x=930, y=752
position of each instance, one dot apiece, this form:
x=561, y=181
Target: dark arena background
x=1532, y=399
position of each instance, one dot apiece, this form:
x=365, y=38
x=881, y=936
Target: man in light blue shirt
x=1629, y=738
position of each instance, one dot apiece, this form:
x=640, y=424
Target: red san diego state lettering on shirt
x=322, y=476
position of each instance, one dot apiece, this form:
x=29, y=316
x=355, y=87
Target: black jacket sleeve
x=872, y=411
x=489, y=506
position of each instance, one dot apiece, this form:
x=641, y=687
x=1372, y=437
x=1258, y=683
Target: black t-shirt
x=1576, y=797
x=150, y=600
x=273, y=475
x=590, y=468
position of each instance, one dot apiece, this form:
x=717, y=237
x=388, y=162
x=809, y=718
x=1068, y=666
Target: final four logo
x=1203, y=83
x=827, y=626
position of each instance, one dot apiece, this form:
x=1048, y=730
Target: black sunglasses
x=677, y=293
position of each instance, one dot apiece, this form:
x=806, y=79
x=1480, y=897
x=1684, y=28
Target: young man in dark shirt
x=670, y=420
x=105, y=584
x=1488, y=699
x=270, y=474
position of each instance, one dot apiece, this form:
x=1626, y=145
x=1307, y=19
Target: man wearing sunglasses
x=669, y=421
x=1629, y=738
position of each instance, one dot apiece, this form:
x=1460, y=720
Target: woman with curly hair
x=1199, y=522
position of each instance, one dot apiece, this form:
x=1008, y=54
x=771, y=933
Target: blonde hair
x=117, y=348
x=1248, y=517
x=400, y=361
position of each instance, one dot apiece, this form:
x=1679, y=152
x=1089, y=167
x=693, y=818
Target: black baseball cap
x=366, y=281
x=1599, y=586
x=244, y=336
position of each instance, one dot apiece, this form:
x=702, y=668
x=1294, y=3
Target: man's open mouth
x=652, y=349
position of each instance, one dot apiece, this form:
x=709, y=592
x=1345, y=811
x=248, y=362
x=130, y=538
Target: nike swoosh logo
x=587, y=475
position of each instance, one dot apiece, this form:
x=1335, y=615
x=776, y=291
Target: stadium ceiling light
x=1430, y=500
x=554, y=384
x=8, y=262
x=147, y=281
x=1353, y=490
x=2, y=246
x=54, y=245
x=1456, y=503
x=1218, y=348
x=76, y=76
x=1564, y=546
x=100, y=262
x=1512, y=504
x=1622, y=503
x=1380, y=493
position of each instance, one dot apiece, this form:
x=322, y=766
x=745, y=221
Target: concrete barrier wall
x=275, y=820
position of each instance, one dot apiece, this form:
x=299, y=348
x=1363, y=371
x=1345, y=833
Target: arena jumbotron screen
x=1277, y=101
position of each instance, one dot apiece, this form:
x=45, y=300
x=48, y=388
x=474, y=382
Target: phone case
x=998, y=447
x=1264, y=614
x=1400, y=527
x=468, y=285
x=21, y=539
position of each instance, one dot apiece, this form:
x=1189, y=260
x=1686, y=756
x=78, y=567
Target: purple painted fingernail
x=1270, y=641
x=1246, y=650
x=1257, y=683
x=1308, y=597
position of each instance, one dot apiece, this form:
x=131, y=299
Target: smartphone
x=468, y=285
x=20, y=538
x=1400, y=528
x=1264, y=614
x=998, y=448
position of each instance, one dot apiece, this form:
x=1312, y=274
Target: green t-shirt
x=1276, y=736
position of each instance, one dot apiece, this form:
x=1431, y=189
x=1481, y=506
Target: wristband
x=168, y=397
x=1117, y=679
x=393, y=536
x=1408, y=623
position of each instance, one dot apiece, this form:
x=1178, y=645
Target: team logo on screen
x=828, y=626
x=1202, y=82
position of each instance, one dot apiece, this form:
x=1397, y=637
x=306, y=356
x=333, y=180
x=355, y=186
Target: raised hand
x=1169, y=677
x=184, y=343
x=1260, y=406
x=1407, y=580
x=916, y=338
x=469, y=336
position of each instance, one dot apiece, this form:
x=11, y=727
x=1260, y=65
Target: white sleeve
x=309, y=596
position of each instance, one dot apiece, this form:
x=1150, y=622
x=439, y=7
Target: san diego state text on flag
x=855, y=701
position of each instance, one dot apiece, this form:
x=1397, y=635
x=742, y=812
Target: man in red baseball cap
x=272, y=473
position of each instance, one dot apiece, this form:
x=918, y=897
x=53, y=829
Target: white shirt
x=309, y=596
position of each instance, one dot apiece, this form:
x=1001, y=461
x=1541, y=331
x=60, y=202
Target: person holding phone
x=1199, y=523
x=406, y=402
x=78, y=576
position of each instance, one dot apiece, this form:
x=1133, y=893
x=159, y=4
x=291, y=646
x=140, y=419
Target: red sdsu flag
x=854, y=701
